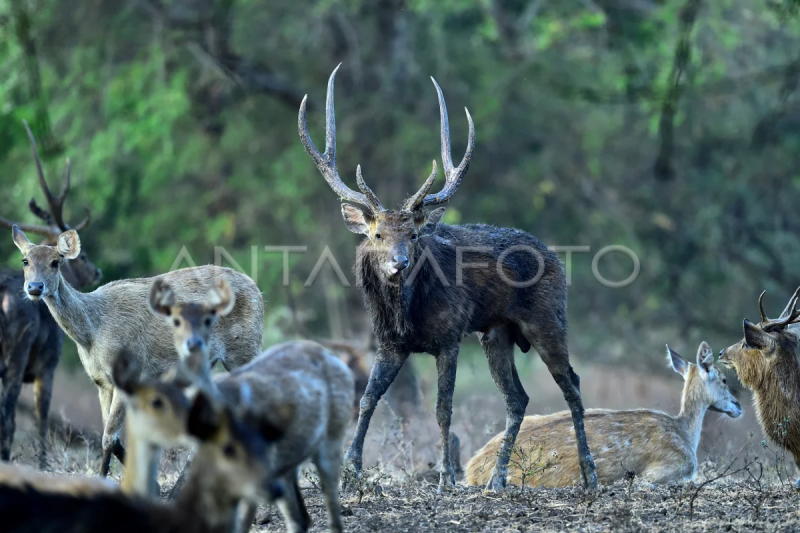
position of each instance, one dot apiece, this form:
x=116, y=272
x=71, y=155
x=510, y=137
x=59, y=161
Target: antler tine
x=453, y=175
x=55, y=206
x=67, y=182
x=371, y=197
x=415, y=201
x=761, y=306
x=45, y=231
x=789, y=315
x=80, y=226
x=326, y=163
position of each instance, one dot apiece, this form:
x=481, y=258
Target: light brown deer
x=766, y=362
x=116, y=316
x=231, y=466
x=30, y=340
x=652, y=444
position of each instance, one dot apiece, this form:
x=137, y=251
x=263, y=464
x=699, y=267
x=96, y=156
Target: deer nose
x=721, y=352
x=35, y=288
x=399, y=262
x=194, y=344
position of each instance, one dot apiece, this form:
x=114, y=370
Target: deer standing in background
x=424, y=298
x=30, y=340
x=231, y=466
x=116, y=316
x=299, y=387
x=654, y=445
x=766, y=363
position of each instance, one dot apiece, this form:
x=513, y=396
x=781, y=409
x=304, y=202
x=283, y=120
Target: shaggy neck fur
x=388, y=303
x=70, y=308
x=694, y=404
x=141, y=469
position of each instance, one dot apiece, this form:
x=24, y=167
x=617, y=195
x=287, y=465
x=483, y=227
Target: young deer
x=427, y=285
x=230, y=463
x=116, y=316
x=766, y=362
x=654, y=445
x=30, y=340
x=299, y=387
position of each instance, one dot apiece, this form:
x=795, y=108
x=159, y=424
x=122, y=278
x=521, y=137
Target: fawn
x=116, y=316
x=230, y=465
x=654, y=445
x=299, y=387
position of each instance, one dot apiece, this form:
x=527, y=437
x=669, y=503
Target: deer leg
x=113, y=425
x=387, y=365
x=552, y=349
x=499, y=349
x=292, y=506
x=329, y=462
x=12, y=385
x=446, y=364
x=184, y=475
x=42, y=394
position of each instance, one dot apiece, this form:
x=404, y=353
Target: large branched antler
x=326, y=162
x=54, y=219
x=790, y=314
x=453, y=175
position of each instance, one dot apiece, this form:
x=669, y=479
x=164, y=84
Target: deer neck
x=387, y=303
x=141, y=465
x=71, y=310
x=204, y=500
x=693, y=408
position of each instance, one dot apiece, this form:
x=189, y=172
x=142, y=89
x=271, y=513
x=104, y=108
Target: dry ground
x=398, y=493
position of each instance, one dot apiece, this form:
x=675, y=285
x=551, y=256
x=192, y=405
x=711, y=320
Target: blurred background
x=669, y=127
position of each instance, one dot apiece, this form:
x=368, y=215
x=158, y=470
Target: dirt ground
x=399, y=489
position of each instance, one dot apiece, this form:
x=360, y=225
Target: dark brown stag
x=426, y=285
x=30, y=340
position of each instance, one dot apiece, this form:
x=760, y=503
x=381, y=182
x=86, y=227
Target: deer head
x=392, y=234
x=765, y=346
x=79, y=271
x=42, y=264
x=713, y=390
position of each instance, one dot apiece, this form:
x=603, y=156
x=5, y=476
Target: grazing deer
x=766, y=362
x=424, y=298
x=654, y=445
x=231, y=465
x=116, y=316
x=30, y=340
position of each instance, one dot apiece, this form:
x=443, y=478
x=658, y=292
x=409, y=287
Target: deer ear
x=20, y=239
x=754, y=336
x=126, y=372
x=356, y=220
x=220, y=298
x=677, y=362
x=162, y=298
x=432, y=220
x=69, y=244
x=204, y=419
x=705, y=357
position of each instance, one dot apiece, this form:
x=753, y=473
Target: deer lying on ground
x=30, y=340
x=654, y=445
x=427, y=285
x=766, y=362
x=300, y=387
x=231, y=465
x=116, y=316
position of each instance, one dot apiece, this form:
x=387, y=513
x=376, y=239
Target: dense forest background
x=669, y=127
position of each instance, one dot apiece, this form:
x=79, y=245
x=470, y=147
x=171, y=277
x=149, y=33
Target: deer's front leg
x=446, y=364
x=112, y=426
x=387, y=365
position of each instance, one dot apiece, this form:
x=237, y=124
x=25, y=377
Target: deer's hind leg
x=549, y=338
x=292, y=506
x=498, y=345
x=329, y=463
x=12, y=386
x=42, y=394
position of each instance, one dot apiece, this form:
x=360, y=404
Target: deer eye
x=378, y=237
x=158, y=403
x=54, y=264
x=229, y=451
x=413, y=237
x=24, y=262
x=724, y=381
x=208, y=322
x=176, y=322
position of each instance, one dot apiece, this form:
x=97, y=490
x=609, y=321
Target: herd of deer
x=150, y=346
